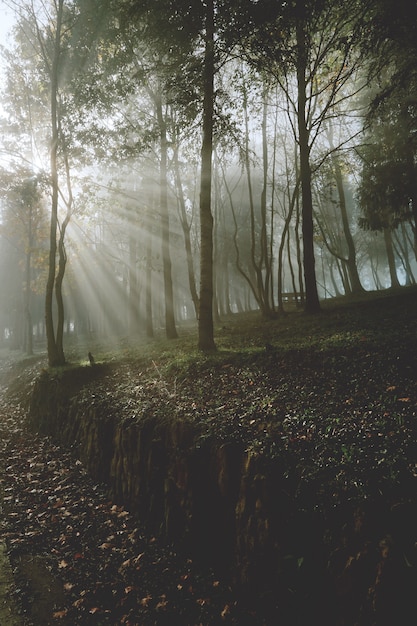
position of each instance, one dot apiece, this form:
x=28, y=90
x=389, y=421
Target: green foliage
x=391, y=41
x=387, y=190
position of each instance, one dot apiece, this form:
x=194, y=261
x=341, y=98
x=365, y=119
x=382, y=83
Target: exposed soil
x=333, y=397
x=78, y=558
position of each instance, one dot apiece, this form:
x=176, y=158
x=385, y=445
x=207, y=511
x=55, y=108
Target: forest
x=208, y=347
x=165, y=162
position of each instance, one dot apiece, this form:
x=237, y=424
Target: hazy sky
x=6, y=20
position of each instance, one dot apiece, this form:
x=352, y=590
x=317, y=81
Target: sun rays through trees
x=200, y=159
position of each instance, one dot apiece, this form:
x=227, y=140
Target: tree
x=51, y=48
x=333, y=177
x=205, y=316
x=303, y=45
x=177, y=27
x=170, y=328
x=311, y=49
x=260, y=247
x=392, y=46
x=386, y=190
x=23, y=225
x=186, y=223
x=387, y=183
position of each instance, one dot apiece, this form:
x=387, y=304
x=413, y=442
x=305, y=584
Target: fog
x=105, y=124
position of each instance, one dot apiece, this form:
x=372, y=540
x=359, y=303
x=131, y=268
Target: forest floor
x=334, y=396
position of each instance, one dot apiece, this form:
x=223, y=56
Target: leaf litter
x=340, y=416
x=109, y=570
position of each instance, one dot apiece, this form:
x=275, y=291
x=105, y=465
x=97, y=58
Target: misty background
x=110, y=134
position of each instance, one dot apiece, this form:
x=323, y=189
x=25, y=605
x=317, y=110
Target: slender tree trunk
x=226, y=286
x=205, y=318
x=149, y=217
x=259, y=258
x=332, y=277
x=273, y=188
x=28, y=271
x=28, y=315
x=298, y=237
x=54, y=358
x=148, y=286
x=291, y=268
x=186, y=231
x=285, y=235
x=253, y=231
x=354, y=280
x=215, y=212
x=170, y=329
x=399, y=251
x=58, y=292
x=133, y=297
x=312, y=303
x=374, y=267
x=391, y=258
x=403, y=245
x=62, y=255
x=265, y=260
x=248, y=272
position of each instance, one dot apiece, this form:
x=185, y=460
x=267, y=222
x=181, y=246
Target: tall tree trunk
x=246, y=273
x=354, y=280
x=186, y=231
x=265, y=260
x=28, y=271
x=215, y=213
x=205, y=317
x=62, y=263
x=54, y=358
x=259, y=253
x=298, y=237
x=312, y=303
x=58, y=291
x=133, y=296
x=391, y=258
x=148, y=289
x=170, y=329
x=285, y=234
x=148, y=274
x=332, y=276
x=405, y=255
